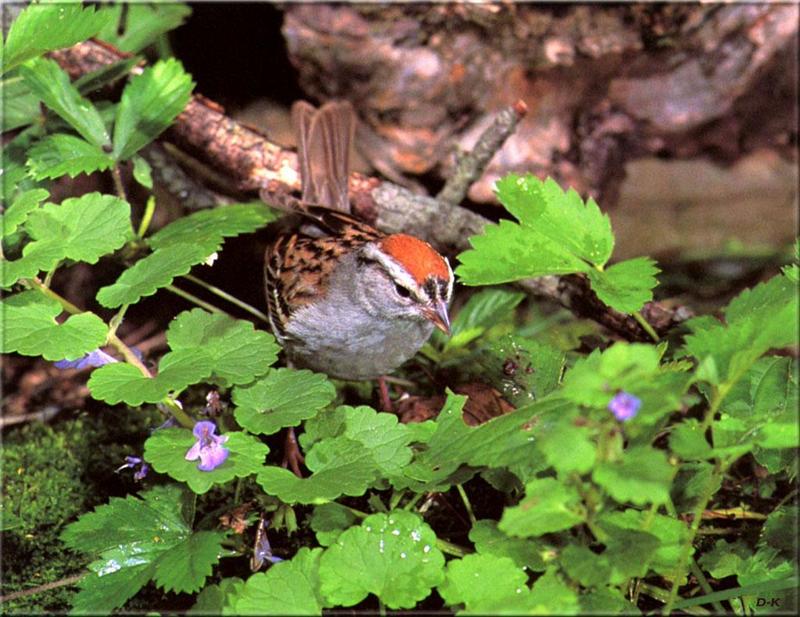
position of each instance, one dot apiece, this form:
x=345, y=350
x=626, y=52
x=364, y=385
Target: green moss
x=51, y=475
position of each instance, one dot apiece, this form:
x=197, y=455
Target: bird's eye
x=402, y=291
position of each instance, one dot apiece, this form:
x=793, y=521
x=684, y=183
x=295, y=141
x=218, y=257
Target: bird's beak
x=438, y=315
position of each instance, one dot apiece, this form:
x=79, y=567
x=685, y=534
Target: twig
x=254, y=163
x=470, y=167
x=70, y=580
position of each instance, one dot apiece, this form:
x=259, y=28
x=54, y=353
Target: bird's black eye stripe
x=403, y=292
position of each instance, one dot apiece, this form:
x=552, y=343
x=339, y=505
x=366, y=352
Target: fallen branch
x=256, y=164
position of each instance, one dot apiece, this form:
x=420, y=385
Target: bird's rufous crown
x=419, y=258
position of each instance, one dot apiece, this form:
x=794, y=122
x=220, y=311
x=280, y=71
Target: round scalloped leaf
x=238, y=352
x=166, y=449
x=393, y=556
x=122, y=382
x=284, y=397
x=28, y=326
x=548, y=506
x=287, y=588
x=481, y=578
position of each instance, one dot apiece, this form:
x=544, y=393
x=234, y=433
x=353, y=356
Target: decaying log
x=254, y=163
x=603, y=84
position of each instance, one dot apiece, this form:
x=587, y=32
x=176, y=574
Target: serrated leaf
x=502, y=441
x=557, y=234
x=329, y=520
x=584, y=566
x=393, y=556
x=628, y=552
x=144, y=23
x=481, y=579
x=17, y=213
x=236, y=350
x=28, y=326
x=218, y=599
x=341, y=466
x=606, y=601
x=726, y=558
x=45, y=27
x=130, y=536
x=20, y=105
x=209, y=227
x=153, y=272
x=489, y=540
x=670, y=532
x=122, y=382
x=627, y=285
x=80, y=228
x=284, y=397
x=149, y=104
x=758, y=319
x=15, y=178
x=166, y=449
x=548, y=596
x=642, y=476
x=52, y=85
x=185, y=567
x=548, y=506
x=554, y=439
x=688, y=441
x=287, y=588
x=61, y=154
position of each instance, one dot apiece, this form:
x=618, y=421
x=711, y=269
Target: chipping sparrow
x=345, y=299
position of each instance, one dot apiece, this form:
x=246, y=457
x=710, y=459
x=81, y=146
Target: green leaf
x=633, y=368
x=558, y=234
x=522, y=369
x=483, y=310
x=564, y=435
x=51, y=84
x=209, y=227
x=80, y=228
x=45, y=27
x=627, y=285
x=380, y=433
x=393, y=556
x=122, y=382
x=187, y=565
x=155, y=271
x=606, y=601
x=237, y=351
x=20, y=105
x=28, y=326
x=284, y=397
x=287, y=588
x=489, y=540
x=642, y=476
x=501, y=441
x=585, y=566
x=481, y=579
x=758, y=319
x=166, y=449
x=218, y=599
x=341, y=466
x=779, y=531
x=134, y=540
x=143, y=24
x=17, y=213
x=329, y=520
x=688, y=441
x=15, y=178
x=149, y=104
x=142, y=172
x=61, y=154
x=548, y=506
x=548, y=596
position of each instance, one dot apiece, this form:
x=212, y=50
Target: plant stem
x=149, y=209
x=118, y=186
x=645, y=325
x=70, y=580
x=226, y=296
x=698, y=573
x=195, y=300
x=467, y=504
x=451, y=549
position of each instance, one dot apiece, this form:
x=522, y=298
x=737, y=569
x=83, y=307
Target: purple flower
x=133, y=461
x=93, y=358
x=208, y=447
x=624, y=406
